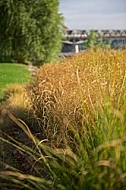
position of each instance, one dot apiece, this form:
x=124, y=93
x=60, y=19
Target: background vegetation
x=30, y=31
x=95, y=41
x=72, y=132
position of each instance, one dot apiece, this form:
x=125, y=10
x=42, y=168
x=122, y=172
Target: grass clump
x=73, y=92
x=80, y=108
x=87, y=167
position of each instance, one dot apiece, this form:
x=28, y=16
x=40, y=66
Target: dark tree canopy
x=30, y=30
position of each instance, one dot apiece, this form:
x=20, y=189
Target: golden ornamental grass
x=77, y=135
x=70, y=93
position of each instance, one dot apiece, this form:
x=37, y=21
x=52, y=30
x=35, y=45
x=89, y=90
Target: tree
x=96, y=41
x=92, y=39
x=30, y=30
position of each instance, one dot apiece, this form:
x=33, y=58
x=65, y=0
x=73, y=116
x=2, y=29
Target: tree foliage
x=30, y=30
x=96, y=41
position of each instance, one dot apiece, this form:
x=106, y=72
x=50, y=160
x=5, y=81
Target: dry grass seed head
x=66, y=93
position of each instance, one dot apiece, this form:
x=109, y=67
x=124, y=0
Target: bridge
x=74, y=39
x=83, y=34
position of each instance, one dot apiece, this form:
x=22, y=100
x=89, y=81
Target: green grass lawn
x=12, y=73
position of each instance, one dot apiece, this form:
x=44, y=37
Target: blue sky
x=94, y=14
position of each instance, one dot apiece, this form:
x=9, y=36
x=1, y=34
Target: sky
x=94, y=14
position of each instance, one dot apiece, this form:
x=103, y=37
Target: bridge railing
x=83, y=34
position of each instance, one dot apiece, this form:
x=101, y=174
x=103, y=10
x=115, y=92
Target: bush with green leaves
x=30, y=30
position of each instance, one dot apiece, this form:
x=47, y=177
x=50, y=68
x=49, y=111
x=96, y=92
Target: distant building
x=75, y=39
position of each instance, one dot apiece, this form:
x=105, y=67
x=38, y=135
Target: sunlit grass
x=79, y=107
x=71, y=92
x=12, y=73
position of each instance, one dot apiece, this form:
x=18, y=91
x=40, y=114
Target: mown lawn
x=12, y=73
